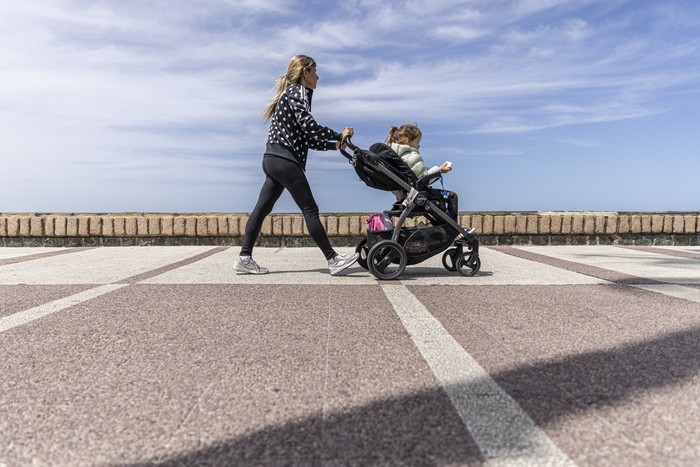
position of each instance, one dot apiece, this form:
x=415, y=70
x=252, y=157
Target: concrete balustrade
x=345, y=229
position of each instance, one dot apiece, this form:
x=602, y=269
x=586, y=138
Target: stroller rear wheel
x=362, y=249
x=449, y=259
x=387, y=260
x=468, y=263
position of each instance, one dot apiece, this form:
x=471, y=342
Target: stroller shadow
x=423, y=429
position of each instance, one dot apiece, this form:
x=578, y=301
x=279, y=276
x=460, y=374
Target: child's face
x=415, y=142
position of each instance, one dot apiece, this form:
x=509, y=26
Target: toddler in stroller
x=387, y=252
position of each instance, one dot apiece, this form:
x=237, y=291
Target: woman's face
x=309, y=78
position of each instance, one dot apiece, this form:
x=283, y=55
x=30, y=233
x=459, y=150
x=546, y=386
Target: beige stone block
x=588, y=224
x=555, y=224
x=509, y=224
x=355, y=226
x=520, y=224
x=222, y=225
x=167, y=226
x=464, y=219
x=277, y=225
x=332, y=225
x=153, y=226
x=577, y=224
x=266, y=226
x=190, y=226
x=668, y=224
x=36, y=226
x=636, y=224
x=657, y=223
x=119, y=224
x=678, y=224
x=95, y=226
x=3, y=226
x=72, y=226
x=179, y=228
x=131, y=226
x=212, y=226
x=487, y=224
x=83, y=226
x=646, y=223
x=107, y=226
x=60, y=226
x=24, y=226
x=344, y=225
x=543, y=225
x=599, y=225
x=242, y=222
x=623, y=224
x=477, y=222
x=201, y=226
x=297, y=226
x=49, y=229
x=691, y=222
x=567, y=224
x=499, y=224
x=232, y=222
x=142, y=226
x=532, y=224
x=610, y=225
x=13, y=226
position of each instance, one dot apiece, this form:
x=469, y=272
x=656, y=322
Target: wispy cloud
x=173, y=90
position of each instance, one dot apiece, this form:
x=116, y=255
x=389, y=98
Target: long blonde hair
x=403, y=134
x=295, y=68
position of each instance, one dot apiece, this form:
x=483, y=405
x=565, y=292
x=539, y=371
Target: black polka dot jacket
x=293, y=129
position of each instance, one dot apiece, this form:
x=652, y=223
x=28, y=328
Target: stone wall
x=345, y=229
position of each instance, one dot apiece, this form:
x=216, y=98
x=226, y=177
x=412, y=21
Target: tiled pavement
x=574, y=355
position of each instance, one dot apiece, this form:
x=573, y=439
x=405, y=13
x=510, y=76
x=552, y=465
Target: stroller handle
x=348, y=141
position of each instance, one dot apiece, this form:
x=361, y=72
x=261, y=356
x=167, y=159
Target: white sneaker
x=249, y=267
x=341, y=262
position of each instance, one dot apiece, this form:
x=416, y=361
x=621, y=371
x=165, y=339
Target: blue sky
x=155, y=106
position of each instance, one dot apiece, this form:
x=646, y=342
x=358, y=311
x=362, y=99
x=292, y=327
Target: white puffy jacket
x=412, y=157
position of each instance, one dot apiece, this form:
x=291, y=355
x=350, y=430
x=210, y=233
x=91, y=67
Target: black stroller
x=386, y=253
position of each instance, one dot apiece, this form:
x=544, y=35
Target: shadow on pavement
x=422, y=429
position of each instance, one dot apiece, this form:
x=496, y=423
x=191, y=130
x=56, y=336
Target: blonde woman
x=405, y=141
x=293, y=130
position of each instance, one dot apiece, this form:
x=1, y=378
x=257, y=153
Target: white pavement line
x=672, y=290
x=505, y=434
x=27, y=316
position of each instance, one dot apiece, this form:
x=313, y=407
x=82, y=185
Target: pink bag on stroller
x=379, y=222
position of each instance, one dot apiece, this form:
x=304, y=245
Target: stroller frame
x=386, y=259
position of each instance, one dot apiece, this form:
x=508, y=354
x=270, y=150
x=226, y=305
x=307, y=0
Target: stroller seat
x=382, y=169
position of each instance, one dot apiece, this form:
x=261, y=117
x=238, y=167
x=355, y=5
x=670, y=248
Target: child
x=405, y=141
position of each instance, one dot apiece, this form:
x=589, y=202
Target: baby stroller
x=386, y=253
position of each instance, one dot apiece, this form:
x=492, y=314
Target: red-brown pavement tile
x=610, y=372
x=224, y=374
x=14, y=298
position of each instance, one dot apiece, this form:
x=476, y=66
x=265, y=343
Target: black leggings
x=282, y=173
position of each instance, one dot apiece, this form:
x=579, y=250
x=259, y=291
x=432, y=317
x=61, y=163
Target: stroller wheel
x=468, y=263
x=449, y=258
x=363, y=250
x=386, y=260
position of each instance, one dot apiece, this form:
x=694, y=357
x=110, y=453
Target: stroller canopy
x=380, y=153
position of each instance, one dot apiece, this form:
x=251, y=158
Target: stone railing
x=344, y=229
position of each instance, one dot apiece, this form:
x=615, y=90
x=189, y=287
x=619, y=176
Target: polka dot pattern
x=293, y=126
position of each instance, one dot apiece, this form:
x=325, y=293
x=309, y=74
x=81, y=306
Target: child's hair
x=403, y=134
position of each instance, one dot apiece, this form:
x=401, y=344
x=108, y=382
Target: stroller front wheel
x=387, y=260
x=468, y=263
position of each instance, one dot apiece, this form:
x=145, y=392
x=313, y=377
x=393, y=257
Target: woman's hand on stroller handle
x=345, y=138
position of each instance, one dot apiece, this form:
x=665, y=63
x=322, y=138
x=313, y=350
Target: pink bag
x=378, y=222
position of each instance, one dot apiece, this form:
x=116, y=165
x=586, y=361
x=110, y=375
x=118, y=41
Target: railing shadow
x=423, y=429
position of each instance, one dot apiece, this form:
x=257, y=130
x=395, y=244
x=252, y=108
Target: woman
x=293, y=131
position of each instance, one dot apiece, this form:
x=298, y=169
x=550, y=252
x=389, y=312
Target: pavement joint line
x=663, y=251
x=505, y=434
x=35, y=256
x=651, y=285
x=32, y=314
x=172, y=266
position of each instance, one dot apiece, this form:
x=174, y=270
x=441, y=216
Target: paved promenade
x=557, y=355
